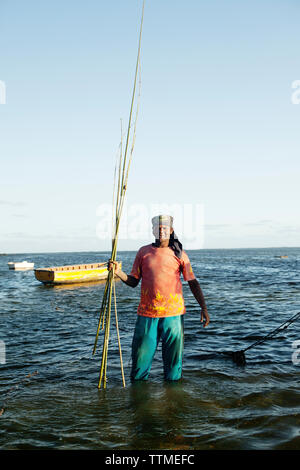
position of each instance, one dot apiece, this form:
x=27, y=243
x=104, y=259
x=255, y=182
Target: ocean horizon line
x=135, y=250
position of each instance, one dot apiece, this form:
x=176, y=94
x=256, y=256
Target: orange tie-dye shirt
x=161, y=290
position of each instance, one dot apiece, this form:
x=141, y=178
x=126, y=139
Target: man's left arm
x=198, y=294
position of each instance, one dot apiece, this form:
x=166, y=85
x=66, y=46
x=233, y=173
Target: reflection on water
x=49, y=395
x=75, y=285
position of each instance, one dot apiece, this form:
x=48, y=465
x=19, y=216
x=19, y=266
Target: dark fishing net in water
x=239, y=357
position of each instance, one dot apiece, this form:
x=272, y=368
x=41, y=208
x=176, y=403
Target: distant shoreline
x=130, y=251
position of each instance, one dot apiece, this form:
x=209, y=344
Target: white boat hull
x=21, y=265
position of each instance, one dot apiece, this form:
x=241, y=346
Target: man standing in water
x=161, y=308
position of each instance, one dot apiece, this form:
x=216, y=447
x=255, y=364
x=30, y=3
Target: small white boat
x=20, y=265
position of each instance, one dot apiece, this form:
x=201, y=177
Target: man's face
x=162, y=232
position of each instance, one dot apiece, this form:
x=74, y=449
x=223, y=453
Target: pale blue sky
x=216, y=127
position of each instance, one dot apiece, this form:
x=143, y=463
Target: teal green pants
x=148, y=332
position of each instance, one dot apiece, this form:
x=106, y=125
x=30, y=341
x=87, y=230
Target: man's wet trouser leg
x=148, y=332
x=172, y=346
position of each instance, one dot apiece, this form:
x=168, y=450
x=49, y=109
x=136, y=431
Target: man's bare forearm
x=198, y=294
x=127, y=279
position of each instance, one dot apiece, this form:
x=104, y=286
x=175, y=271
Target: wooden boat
x=72, y=274
x=20, y=265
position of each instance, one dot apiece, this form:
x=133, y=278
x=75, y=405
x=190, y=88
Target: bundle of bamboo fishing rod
x=119, y=191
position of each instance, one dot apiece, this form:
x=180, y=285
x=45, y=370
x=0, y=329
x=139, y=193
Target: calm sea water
x=49, y=395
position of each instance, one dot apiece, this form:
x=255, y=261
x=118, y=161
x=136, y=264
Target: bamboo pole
x=118, y=334
x=119, y=197
x=106, y=339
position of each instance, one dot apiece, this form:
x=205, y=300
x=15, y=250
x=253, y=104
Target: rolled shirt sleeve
x=186, y=268
x=136, y=270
